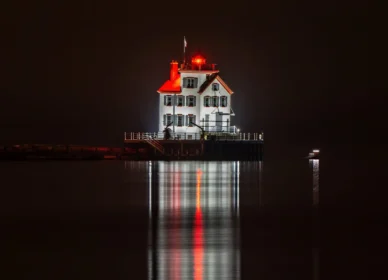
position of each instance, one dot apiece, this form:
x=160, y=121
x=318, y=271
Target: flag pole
x=184, y=50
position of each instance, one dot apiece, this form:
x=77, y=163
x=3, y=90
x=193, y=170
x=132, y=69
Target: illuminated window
x=180, y=101
x=190, y=82
x=168, y=100
x=180, y=120
x=167, y=119
x=224, y=101
x=206, y=102
x=215, y=101
x=215, y=87
x=190, y=119
x=190, y=101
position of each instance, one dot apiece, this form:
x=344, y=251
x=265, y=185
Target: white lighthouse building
x=202, y=99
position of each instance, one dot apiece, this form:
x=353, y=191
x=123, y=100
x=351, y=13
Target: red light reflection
x=198, y=232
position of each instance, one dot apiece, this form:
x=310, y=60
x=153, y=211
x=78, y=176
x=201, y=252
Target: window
x=190, y=101
x=190, y=119
x=167, y=119
x=168, y=100
x=224, y=101
x=180, y=101
x=190, y=82
x=215, y=101
x=206, y=101
x=180, y=120
x=215, y=87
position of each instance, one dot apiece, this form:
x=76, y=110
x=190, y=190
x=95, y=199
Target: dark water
x=159, y=220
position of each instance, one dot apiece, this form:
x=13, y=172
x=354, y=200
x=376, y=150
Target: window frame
x=166, y=99
x=188, y=100
x=224, y=101
x=192, y=81
x=215, y=86
x=180, y=98
x=215, y=101
x=208, y=99
x=177, y=120
x=167, y=118
x=192, y=116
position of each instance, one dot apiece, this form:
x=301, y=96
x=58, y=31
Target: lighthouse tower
x=195, y=98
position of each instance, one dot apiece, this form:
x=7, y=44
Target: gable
x=214, y=78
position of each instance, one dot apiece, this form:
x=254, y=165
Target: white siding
x=211, y=110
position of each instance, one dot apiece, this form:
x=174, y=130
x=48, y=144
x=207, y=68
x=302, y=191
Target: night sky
x=83, y=72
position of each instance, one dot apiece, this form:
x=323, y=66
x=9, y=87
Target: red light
x=199, y=60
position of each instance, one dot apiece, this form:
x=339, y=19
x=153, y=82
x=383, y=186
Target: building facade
x=195, y=95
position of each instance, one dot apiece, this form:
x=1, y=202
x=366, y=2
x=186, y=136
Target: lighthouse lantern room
x=195, y=99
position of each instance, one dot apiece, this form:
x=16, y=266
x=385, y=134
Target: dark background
x=83, y=72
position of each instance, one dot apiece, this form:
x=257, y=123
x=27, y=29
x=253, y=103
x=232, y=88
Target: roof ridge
x=207, y=82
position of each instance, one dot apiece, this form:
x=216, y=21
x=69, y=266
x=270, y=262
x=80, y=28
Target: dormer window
x=215, y=87
x=190, y=82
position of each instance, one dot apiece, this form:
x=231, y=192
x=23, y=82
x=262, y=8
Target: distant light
x=316, y=151
x=238, y=130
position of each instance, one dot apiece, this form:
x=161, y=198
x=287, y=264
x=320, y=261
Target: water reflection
x=260, y=171
x=314, y=163
x=194, y=220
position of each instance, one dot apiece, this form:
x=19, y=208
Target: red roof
x=171, y=86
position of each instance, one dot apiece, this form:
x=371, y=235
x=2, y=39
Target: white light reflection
x=314, y=163
x=197, y=222
x=261, y=164
x=150, y=189
x=315, y=166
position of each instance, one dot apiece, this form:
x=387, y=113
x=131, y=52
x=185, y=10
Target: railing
x=148, y=136
x=155, y=144
x=219, y=128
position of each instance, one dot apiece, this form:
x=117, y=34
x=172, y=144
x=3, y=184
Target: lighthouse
x=195, y=119
x=195, y=99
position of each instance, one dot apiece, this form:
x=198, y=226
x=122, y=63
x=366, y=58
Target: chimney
x=173, y=70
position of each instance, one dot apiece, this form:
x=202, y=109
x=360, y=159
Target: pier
x=63, y=152
x=149, y=146
x=194, y=146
